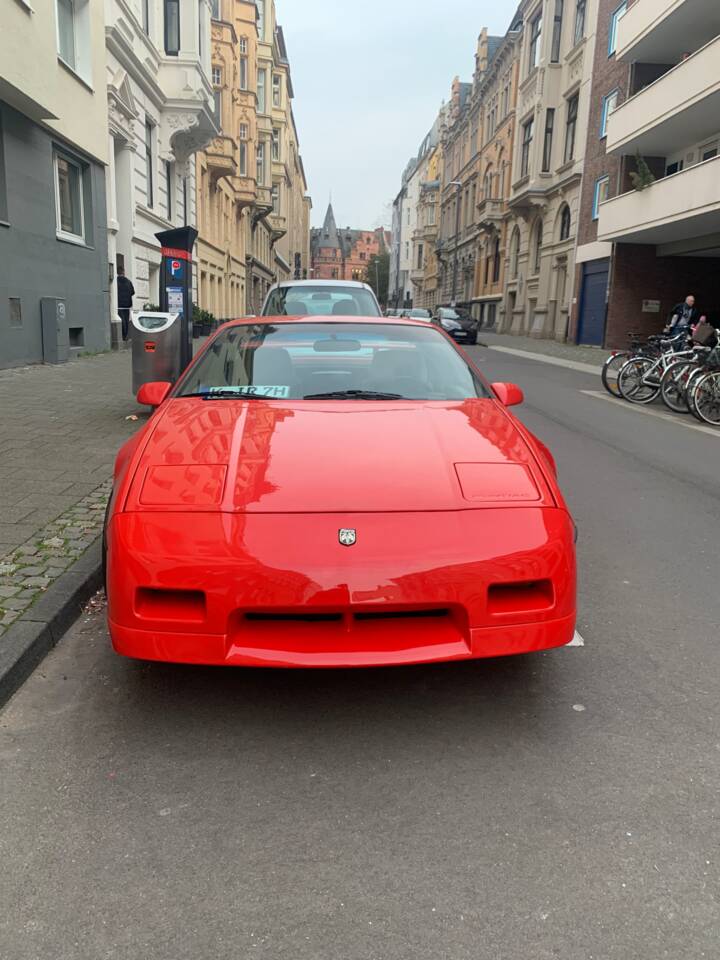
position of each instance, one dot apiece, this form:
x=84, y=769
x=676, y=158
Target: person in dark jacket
x=125, y=294
x=684, y=316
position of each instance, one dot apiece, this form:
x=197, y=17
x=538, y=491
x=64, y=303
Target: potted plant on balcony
x=643, y=176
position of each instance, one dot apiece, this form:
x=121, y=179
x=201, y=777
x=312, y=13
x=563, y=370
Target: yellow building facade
x=252, y=192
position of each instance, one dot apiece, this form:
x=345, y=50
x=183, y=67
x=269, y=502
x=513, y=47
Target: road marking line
x=544, y=358
x=639, y=408
x=577, y=641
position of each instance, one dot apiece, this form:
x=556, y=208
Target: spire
x=329, y=236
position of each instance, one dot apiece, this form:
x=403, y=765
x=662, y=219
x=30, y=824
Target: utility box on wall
x=55, y=334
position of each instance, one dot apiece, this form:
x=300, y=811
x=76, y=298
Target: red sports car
x=333, y=492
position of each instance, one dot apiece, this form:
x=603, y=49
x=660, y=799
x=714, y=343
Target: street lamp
x=458, y=186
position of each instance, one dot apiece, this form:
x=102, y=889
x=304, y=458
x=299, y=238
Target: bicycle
x=675, y=381
x=617, y=359
x=639, y=379
x=705, y=397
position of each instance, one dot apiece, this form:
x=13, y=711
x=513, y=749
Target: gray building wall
x=33, y=262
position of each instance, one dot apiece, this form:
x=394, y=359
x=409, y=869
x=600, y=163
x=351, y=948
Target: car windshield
x=320, y=301
x=420, y=314
x=296, y=361
x=447, y=314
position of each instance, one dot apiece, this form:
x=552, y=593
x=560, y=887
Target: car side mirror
x=509, y=394
x=152, y=394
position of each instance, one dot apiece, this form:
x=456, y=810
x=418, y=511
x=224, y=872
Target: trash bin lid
x=156, y=322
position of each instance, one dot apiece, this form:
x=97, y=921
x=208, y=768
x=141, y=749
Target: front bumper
x=280, y=590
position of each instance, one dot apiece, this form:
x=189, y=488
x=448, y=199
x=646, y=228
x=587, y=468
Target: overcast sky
x=369, y=79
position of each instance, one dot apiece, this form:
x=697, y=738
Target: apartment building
x=666, y=234
x=226, y=183
x=496, y=93
x=53, y=151
x=556, y=53
x=425, y=271
x=161, y=112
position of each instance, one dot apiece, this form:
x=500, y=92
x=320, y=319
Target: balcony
x=245, y=190
x=490, y=212
x=188, y=120
x=662, y=31
x=682, y=207
x=278, y=225
x=221, y=162
x=680, y=108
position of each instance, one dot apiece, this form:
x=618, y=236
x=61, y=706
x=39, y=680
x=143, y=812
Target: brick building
x=344, y=254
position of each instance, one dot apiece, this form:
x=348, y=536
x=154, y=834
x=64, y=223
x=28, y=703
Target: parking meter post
x=176, y=282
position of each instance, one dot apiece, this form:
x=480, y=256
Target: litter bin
x=156, y=348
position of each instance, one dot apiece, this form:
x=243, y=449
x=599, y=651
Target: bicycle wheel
x=673, y=385
x=611, y=368
x=631, y=381
x=707, y=398
x=693, y=380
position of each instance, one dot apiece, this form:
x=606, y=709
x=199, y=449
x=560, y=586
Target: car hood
x=334, y=456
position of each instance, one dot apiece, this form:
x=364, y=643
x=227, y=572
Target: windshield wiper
x=354, y=395
x=223, y=395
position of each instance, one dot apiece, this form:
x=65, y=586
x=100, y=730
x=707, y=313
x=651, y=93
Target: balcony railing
x=662, y=31
x=677, y=208
x=681, y=108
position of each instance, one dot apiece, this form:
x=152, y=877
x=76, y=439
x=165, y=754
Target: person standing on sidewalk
x=684, y=316
x=125, y=294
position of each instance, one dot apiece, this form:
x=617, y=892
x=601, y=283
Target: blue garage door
x=593, y=303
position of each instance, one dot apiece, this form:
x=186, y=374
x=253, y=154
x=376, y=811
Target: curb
x=42, y=626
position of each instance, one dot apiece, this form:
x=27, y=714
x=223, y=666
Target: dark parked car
x=462, y=328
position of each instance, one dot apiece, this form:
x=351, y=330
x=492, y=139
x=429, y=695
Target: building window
x=431, y=215
x=149, y=192
x=276, y=198
x=172, y=27
x=260, y=163
x=242, y=45
x=571, y=127
x=548, y=141
x=170, y=186
x=185, y=200
x=515, y=254
x=420, y=256
x=612, y=34
x=602, y=192
x=609, y=107
x=261, y=104
x=243, y=73
x=275, y=144
x=217, y=76
x=243, y=149
x=709, y=152
x=66, y=31
x=527, y=138
x=565, y=223
x=496, y=260
x=260, y=7
x=277, y=90
x=215, y=9
x=557, y=32
x=535, y=38
x=69, y=199
x=537, y=256
x=146, y=16
x=580, y=9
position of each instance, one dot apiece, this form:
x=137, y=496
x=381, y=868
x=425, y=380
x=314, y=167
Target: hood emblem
x=347, y=537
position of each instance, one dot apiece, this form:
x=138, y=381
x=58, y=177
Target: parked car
x=335, y=493
x=321, y=298
x=461, y=327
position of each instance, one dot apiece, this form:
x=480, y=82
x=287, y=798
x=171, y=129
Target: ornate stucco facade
x=252, y=192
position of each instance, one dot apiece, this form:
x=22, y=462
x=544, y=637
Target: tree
x=378, y=276
x=643, y=178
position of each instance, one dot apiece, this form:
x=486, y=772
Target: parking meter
x=176, y=283
x=156, y=342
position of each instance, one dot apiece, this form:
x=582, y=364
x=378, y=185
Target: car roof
x=380, y=321
x=321, y=283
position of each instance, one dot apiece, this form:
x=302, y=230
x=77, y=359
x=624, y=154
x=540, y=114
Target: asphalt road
x=562, y=805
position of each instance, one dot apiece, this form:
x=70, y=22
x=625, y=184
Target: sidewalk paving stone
x=62, y=427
